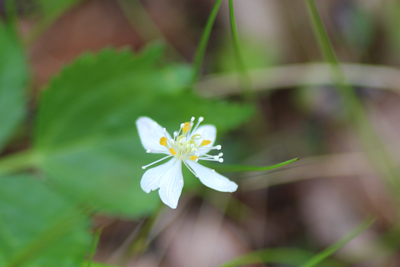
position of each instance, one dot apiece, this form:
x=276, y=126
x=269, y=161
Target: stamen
x=163, y=141
x=144, y=167
x=198, y=123
x=205, y=142
x=193, y=157
x=221, y=160
x=172, y=151
x=186, y=127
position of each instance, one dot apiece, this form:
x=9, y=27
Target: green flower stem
x=18, y=162
x=354, y=109
x=244, y=76
x=199, y=56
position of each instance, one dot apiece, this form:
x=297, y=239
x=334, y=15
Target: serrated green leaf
x=86, y=135
x=13, y=78
x=38, y=227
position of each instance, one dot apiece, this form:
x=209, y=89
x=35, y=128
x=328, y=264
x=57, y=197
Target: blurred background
x=307, y=205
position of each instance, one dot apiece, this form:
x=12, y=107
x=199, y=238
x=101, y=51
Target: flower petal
x=150, y=133
x=168, y=177
x=211, y=178
x=207, y=132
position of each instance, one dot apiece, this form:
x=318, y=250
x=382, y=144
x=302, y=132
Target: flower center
x=187, y=145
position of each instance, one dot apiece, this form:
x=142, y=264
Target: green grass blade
x=94, y=247
x=327, y=252
x=198, y=59
x=245, y=168
x=244, y=76
x=287, y=256
x=355, y=112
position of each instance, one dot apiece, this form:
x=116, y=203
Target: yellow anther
x=187, y=127
x=172, y=151
x=205, y=142
x=163, y=141
x=193, y=157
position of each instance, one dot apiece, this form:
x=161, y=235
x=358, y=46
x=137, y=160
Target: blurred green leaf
x=86, y=135
x=38, y=227
x=13, y=78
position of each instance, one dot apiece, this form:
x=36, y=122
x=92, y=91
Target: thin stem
x=46, y=22
x=137, y=14
x=94, y=246
x=201, y=49
x=353, y=107
x=244, y=76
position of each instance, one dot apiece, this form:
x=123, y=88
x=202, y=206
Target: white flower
x=189, y=145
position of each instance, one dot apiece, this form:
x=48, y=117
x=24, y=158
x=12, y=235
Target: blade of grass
x=292, y=257
x=137, y=14
x=245, y=168
x=244, y=76
x=94, y=246
x=354, y=109
x=343, y=241
x=199, y=56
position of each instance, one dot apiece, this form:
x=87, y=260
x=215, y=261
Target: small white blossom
x=188, y=145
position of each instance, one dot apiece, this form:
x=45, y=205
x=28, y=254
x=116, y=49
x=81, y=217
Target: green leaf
x=343, y=241
x=13, y=78
x=38, y=227
x=244, y=168
x=86, y=135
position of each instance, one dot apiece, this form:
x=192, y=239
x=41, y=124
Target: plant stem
x=244, y=76
x=353, y=107
x=201, y=49
x=94, y=246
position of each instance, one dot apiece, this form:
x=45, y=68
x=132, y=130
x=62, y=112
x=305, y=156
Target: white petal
x=168, y=177
x=150, y=133
x=211, y=178
x=207, y=132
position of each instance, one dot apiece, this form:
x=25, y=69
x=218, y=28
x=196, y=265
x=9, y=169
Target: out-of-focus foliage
x=13, y=78
x=38, y=227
